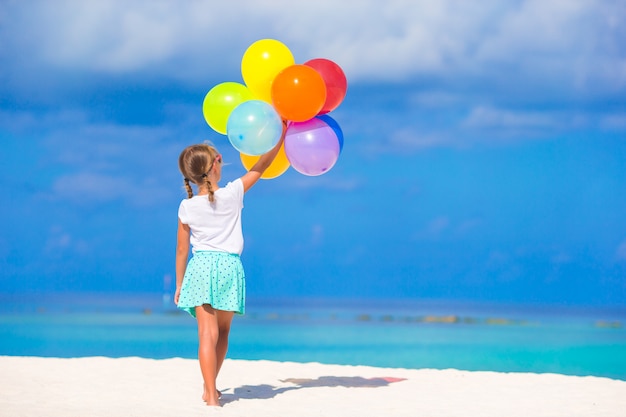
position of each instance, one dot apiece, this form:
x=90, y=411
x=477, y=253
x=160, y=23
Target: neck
x=204, y=190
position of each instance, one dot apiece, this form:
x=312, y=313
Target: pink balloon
x=312, y=147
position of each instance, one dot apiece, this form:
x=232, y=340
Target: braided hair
x=195, y=162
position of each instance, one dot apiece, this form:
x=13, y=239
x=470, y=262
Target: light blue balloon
x=254, y=127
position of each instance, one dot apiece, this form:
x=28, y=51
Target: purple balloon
x=312, y=147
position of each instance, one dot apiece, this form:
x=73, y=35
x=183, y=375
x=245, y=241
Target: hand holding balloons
x=279, y=165
x=277, y=89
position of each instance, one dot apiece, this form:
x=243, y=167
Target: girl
x=211, y=286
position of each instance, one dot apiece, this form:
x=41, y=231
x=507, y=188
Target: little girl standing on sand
x=211, y=286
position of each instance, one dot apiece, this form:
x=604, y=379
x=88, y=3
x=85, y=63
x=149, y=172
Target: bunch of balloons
x=277, y=89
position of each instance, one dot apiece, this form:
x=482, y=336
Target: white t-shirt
x=215, y=226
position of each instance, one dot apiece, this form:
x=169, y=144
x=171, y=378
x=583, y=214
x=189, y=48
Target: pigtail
x=209, y=187
x=188, y=188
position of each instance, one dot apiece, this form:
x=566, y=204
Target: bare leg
x=224, y=319
x=208, y=334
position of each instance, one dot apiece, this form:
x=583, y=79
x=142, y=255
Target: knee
x=208, y=335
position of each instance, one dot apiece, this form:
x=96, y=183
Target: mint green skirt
x=215, y=278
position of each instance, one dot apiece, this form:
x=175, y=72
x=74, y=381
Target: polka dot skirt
x=215, y=278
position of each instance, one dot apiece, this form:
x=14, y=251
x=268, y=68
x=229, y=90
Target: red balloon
x=335, y=80
x=298, y=93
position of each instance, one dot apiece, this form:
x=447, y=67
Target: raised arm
x=251, y=177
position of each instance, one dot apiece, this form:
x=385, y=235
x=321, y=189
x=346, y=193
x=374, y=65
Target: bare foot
x=212, y=400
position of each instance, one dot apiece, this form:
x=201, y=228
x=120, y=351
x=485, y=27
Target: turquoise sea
x=385, y=333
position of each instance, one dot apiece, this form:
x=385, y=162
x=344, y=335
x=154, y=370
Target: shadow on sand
x=266, y=391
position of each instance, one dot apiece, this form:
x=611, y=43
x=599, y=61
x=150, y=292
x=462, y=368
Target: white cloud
x=105, y=146
x=411, y=139
x=492, y=118
x=620, y=253
x=576, y=42
x=559, y=40
x=616, y=121
x=438, y=225
x=317, y=235
x=514, y=124
x=436, y=99
x=87, y=188
x=59, y=241
x=498, y=258
x=90, y=163
x=561, y=257
x=444, y=226
x=91, y=188
x=4, y=249
x=335, y=183
x=446, y=59
x=469, y=225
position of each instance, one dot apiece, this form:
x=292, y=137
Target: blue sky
x=484, y=148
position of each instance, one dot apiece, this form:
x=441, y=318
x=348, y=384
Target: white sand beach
x=99, y=386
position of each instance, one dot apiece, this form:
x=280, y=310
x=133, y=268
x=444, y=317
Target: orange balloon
x=278, y=167
x=298, y=93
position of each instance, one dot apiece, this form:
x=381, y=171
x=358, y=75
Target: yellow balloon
x=261, y=63
x=278, y=167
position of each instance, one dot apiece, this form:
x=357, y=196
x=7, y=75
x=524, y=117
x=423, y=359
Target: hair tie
x=186, y=179
x=204, y=175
